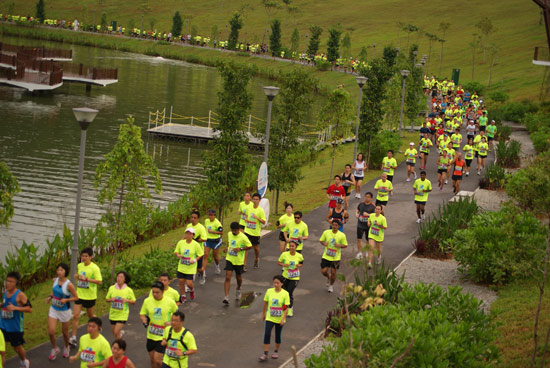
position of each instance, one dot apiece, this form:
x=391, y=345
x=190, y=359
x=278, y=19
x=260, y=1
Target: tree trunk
x=491, y=70
x=368, y=154
x=277, y=202
x=440, y=59
x=115, y=250
x=473, y=62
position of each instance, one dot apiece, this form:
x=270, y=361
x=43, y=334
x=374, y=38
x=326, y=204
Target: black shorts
x=255, y=240
x=491, y=138
x=155, y=345
x=185, y=276
x=477, y=154
x=115, y=322
x=14, y=338
x=422, y=203
x=470, y=136
x=481, y=128
x=361, y=231
x=390, y=178
x=441, y=171
x=85, y=303
x=482, y=156
x=381, y=203
x=425, y=153
x=231, y=267
x=357, y=178
x=468, y=162
x=325, y=263
x=281, y=236
x=199, y=262
x=456, y=177
x=411, y=164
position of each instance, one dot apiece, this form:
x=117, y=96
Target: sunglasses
x=297, y=217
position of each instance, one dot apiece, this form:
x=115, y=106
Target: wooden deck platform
x=81, y=79
x=193, y=132
x=29, y=86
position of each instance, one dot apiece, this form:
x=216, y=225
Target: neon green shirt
x=190, y=251
x=275, y=302
x=254, y=226
x=119, y=310
x=491, y=130
x=483, y=148
x=331, y=253
x=169, y=293
x=87, y=290
x=477, y=141
x=483, y=121
x=456, y=139
x=291, y=272
x=215, y=225
x=295, y=231
x=376, y=231
x=159, y=312
x=200, y=232
x=469, y=152
x=2, y=346
x=234, y=253
x=243, y=209
x=383, y=189
x=420, y=186
x=93, y=350
x=285, y=220
x=388, y=164
x=410, y=155
x=173, y=345
x=425, y=144
x=443, y=161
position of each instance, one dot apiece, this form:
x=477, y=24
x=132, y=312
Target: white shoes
x=418, y=221
x=415, y=175
x=202, y=278
x=408, y=179
x=379, y=260
x=446, y=182
x=330, y=289
x=358, y=196
x=218, y=271
x=72, y=341
x=238, y=295
x=359, y=255
x=423, y=216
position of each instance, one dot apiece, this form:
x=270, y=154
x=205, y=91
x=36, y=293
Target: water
x=40, y=137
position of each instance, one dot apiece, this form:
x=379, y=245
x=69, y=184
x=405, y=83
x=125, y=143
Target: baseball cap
x=190, y=230
x=212, y=211
x=411, y=144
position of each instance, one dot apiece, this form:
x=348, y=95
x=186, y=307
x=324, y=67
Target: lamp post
x=404, y=74
x=360, y=82
x=270, y=92
x=415, y=53
x=84, y=116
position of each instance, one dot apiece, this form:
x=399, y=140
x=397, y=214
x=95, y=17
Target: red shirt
x=121, y=364
x=335, y=192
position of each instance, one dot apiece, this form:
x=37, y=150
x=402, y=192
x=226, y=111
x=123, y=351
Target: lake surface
x=40, y=137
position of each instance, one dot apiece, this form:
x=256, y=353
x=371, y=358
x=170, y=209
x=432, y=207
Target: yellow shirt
x=174, y=345
x=84, y=289
x=159, y=312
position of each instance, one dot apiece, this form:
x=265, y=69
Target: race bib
x=117, y=304
x=156, y=330
x=6, y=314
x=442, y=167
x=275, y=311
x=374, y=231
x=334, y=198
x=410, y=160
x=386, y=169
x=383, y=190
x=331, y=252
x=458, y=168
x=297, y=240
x=87, y=356
x=56, y=302
x=482, y=151
x=172, y=352
x=251, y=225
x=233, y=252
x=293, y=273
x=363, y=218
x=185, y=261
x=419, y=193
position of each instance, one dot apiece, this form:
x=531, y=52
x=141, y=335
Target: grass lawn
x=515, y=309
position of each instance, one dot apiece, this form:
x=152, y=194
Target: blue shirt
x=11, y=321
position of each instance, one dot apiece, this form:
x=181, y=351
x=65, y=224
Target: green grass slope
x=516, y=22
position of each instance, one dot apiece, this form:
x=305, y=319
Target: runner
x=155, y=314
x=333, y=240
x=483, y=122
x=120, y=295
x=214, y=235
x=63, y=293
x=179, y=343
x=471, y=130
x=456, y=139
x=388, y=165
x=118, y=359
x=335, y=191
x=200, y=237
x=254, y=221
x=88, y=276
x=364, y=209
x=169, y=292
x=281, y=224
x=93, y=349
x=243, y=208
x=384, y=189
x=14, y=304
x=348, y=180
x=2, y=348
x=296, y=231
x=425, y=144
x=358, y=167
x=238, y=244
x=291, y=261
x=442, y=167
x=477, y=141
x=188, y=251
x=491, y=131
x=482, y=148
x=468, y=154
x=276, y=302
x=459, y=164
x=411, y=154
x=338, y=213
x=450, y=151
x=377, y=225
x=421, y=188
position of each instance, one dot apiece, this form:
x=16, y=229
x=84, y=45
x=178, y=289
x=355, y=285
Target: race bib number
x=410, y=160
x=83, y=284
x=331, y=252
x=293, y=273
x=275, y=311
x=458, y=168
x=56, y=302
x=6, y=314
x=186, y=261
x=87, y=356
x=363, y=218
x=386, y=169
x=482, y=151
x=156, y=329
x=172, y=352
x=233, y=252
x=442, y=167
x=419, y=193
x=375, y=231
x=334, y=198
x=117, y=304
x=251, y=225
x=297, y=240
x=383, y=190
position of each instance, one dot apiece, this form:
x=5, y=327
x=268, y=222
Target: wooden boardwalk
x=193, y=132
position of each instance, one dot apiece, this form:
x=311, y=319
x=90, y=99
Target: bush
x=516, y=111
x=322, y=65
x=444, y=328
x=536, y=121
x=380, y=145
x=498, y=247
x=541, y=139
x=495, y=178
x=498, y=97
x=474, y=87
x=503, y=132
x=508, y=153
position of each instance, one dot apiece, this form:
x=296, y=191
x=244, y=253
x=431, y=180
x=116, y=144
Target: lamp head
x=415, y=52
x=361, y=80
x=405, y=73
x=418, y=65
x=84, y=116
x=271, y=92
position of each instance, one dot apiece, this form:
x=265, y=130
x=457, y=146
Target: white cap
x=411, y=144
x=190, y=230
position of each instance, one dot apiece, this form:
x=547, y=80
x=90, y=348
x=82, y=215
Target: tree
x=335, y=115
x=530, y=187
x=486, y=27
x=493, y=51
x=236, y=24
x=275, y=38
x=214, y=32
x=409, y=28
x=333, y=44
x=177, y=24
x=474, y=45
x=40, y=11
x=295, y=40
x=443, y=26
x=122, y=178
x=363, y=55
x=314, y=40
x=103, y=22
x=431, y=38
x=226, y=161
x=346, y=46
x=152, y=23
x=8, y=188
x=294, y=102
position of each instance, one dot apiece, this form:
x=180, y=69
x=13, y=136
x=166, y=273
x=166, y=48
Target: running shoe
x=257, y=263
x=53, y=354
x=418, y=221
x=192, y=294
x=369, y=265
x=218, y=271
x=122, y=333
x=25, y=363
x=408, y=179
x=226, y=300
x=423, y=216
x=467, y=174
x=415, y=176
x=202, y=280
x=379, y=260
x=66, y=351
x=478, y=172
x=238, y=295
x=262, y=358
x=72, y=341
x=274, y=355
x=446, y=182
x=359, y=255
x=330, y=289
x=183, y=298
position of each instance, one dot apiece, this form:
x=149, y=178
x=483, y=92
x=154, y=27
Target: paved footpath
x=232, y=336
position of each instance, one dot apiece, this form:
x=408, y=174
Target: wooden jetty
x=193, y=133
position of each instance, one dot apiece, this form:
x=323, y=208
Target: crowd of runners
x=169, y=343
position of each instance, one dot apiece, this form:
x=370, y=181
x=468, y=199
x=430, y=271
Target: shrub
x=474, y=87
x=498, y=96
x=322, y=65
x=381, y=144
x=444, y=328
x=536, y=121
x=515, y=111
x=495, y=178
x=508, y=153
x=501, y=246
x=503, y=132
x=541, y=139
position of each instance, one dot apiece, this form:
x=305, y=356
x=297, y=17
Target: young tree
x=152, y=22
x=410, y=28
x=335, y=115
x=226, y=161
x=121, y=180
x=333, y=45
x=275, y=38
x=431, y=38
x=443, y=27
x=314, y=39
x=236, y=24
x=103, y=22
x=363, y=55
x=8, y=188
x=493, y=51
x=346, y=46
x=474, y=45
x=214, y=33
x=486, y=27
x=295, y=40
x=40, y=11
x=177, y=24
x=292, y=105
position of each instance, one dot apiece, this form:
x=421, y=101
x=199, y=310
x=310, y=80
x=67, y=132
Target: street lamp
x=270, y=92
x=360, y=82
x=84, y=116
x=404, y=74
x=415, y=53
